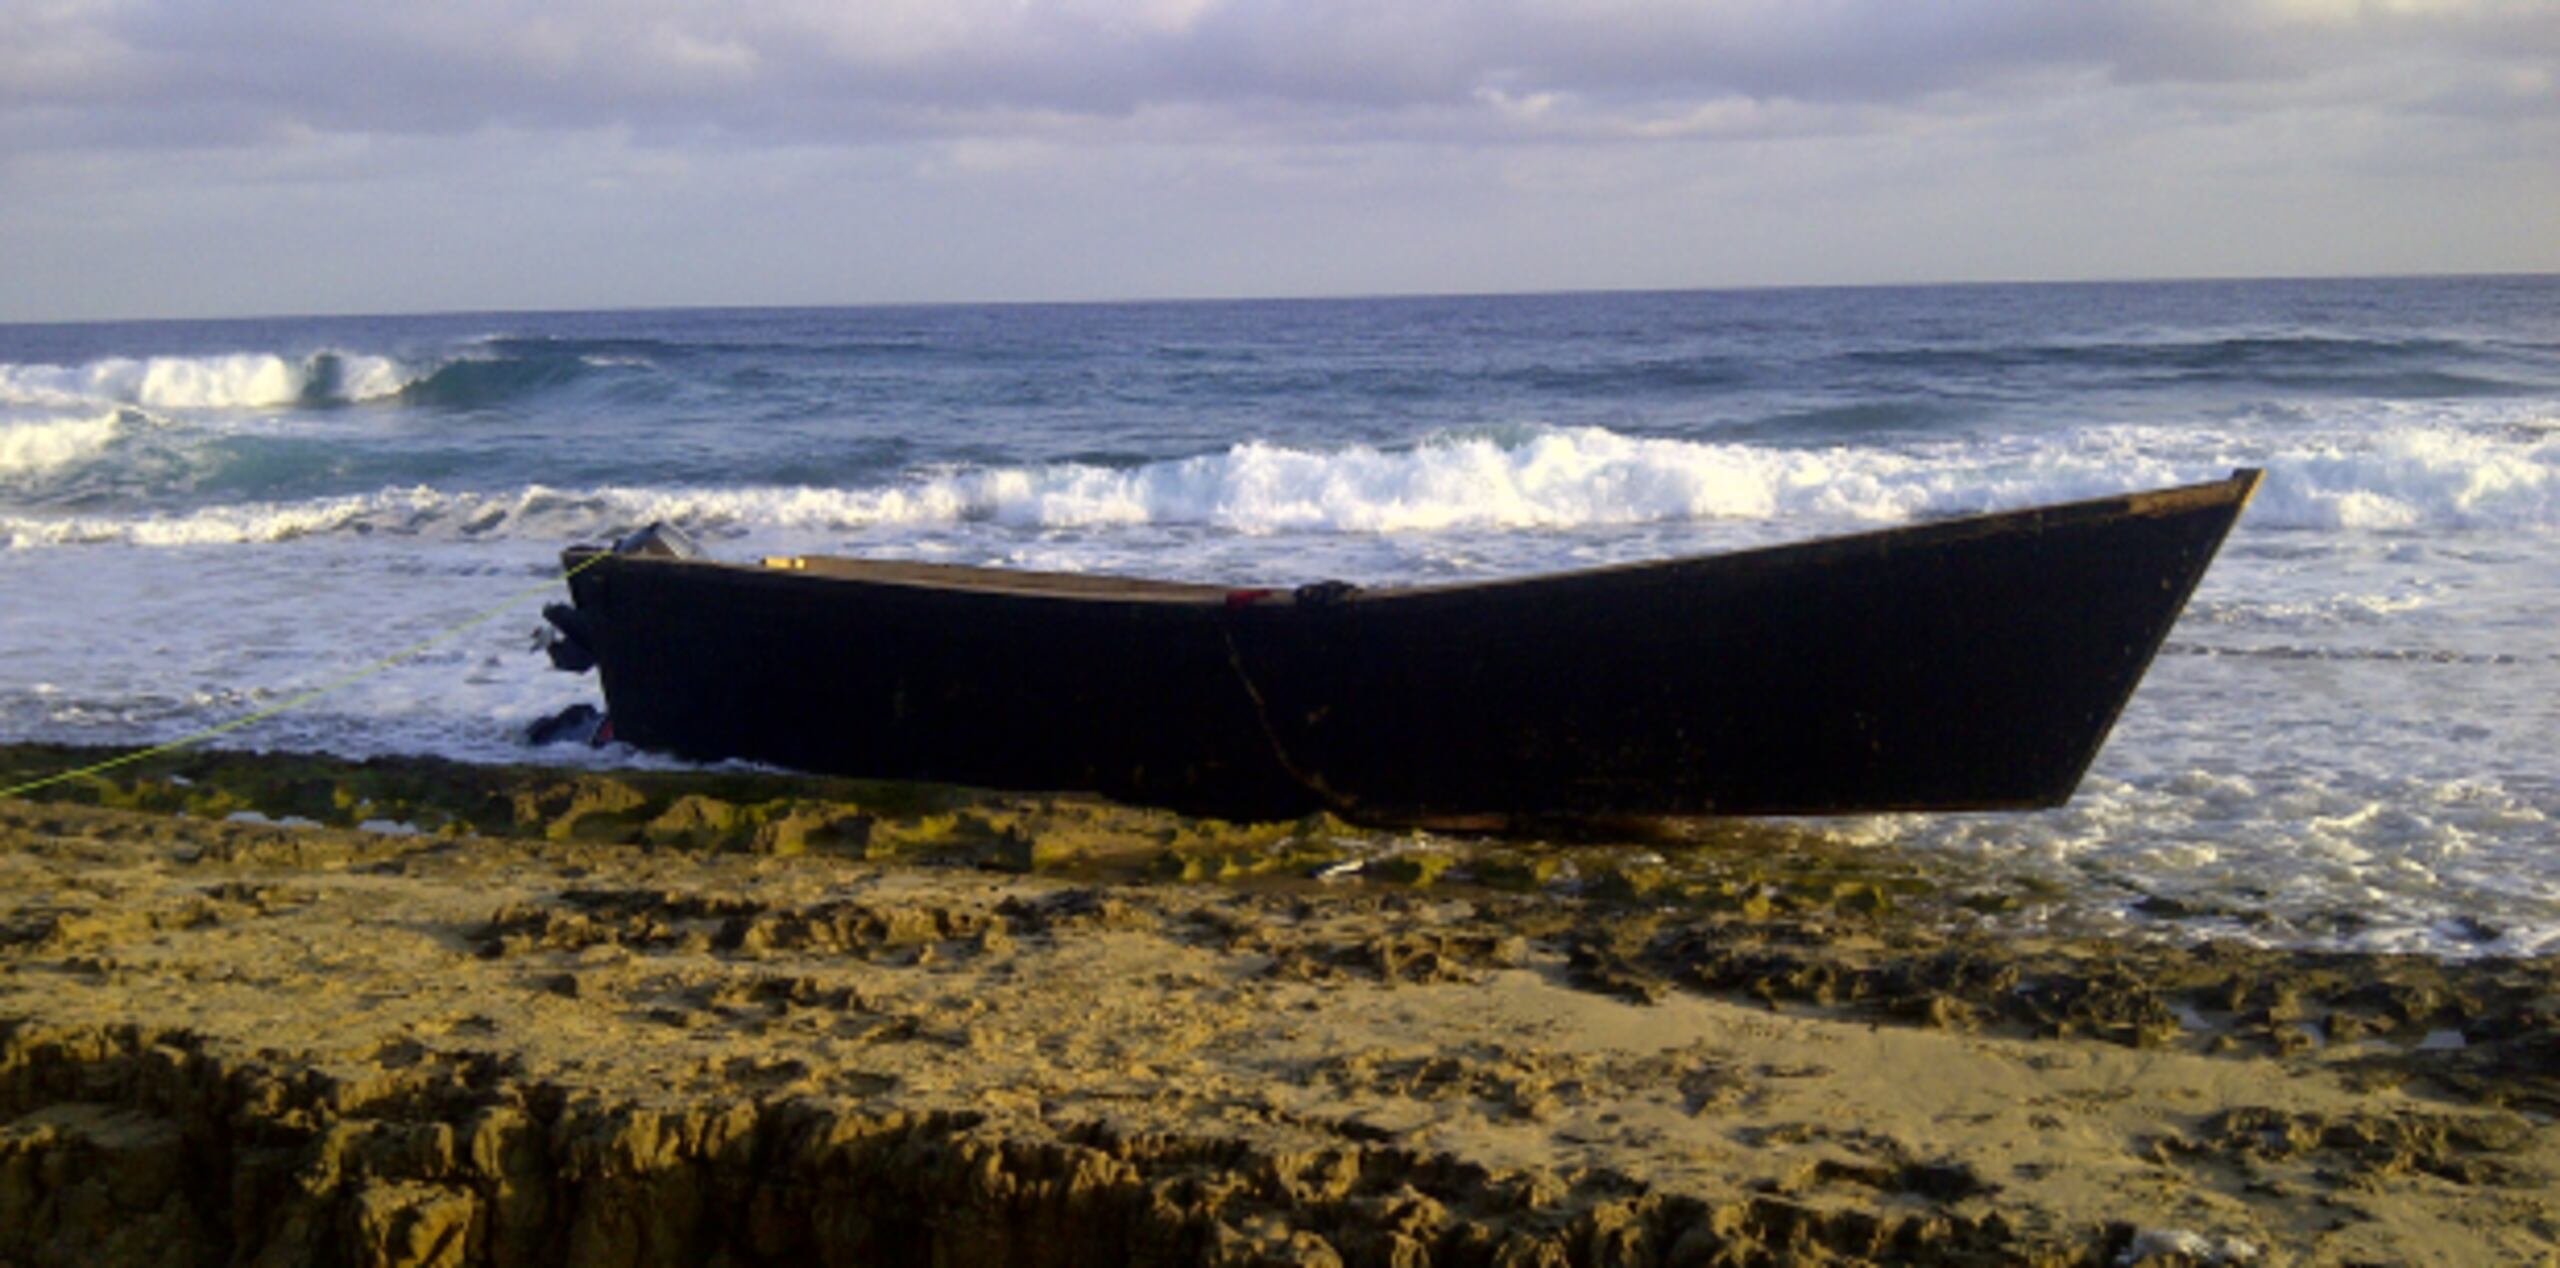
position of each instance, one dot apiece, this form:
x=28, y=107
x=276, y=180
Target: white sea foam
x=414, y=511
x=370, y=378
x=1549, y=479
x=242, y=380
x=2323, y=611
x=2369, y=859
x=50, y=444
x=2418, y=477
x=1534, y=479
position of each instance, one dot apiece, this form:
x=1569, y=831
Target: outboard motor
x=569, y=641
x=660, y=540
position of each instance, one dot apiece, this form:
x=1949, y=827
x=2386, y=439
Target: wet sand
x=537, y=1017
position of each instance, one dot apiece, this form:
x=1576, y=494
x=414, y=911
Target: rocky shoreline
x=293, y=1010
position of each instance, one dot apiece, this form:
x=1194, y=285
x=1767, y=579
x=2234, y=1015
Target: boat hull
x=1967, y=664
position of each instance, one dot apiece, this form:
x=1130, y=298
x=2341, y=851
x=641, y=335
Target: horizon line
x=1305, y=298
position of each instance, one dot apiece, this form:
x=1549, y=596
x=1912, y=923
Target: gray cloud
x=197, y=157
x=162, y=72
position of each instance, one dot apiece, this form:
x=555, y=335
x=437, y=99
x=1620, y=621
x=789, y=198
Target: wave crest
x=51, y=444
x=1533, y=480
x=2419, y=477
x=242, y=380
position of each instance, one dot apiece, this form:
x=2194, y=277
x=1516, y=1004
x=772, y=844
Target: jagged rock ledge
x=553, y=1017
x=139, y=1147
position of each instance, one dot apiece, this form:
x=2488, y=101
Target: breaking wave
x=28, y=448
x=243, y=380
x=2431, y=477
x=485, y=374
x=1536, y=479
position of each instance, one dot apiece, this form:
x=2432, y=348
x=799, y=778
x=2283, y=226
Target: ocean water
x=2350, y=740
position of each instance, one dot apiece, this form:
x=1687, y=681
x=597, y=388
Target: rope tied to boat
x=1307, y=777
x=385, y=664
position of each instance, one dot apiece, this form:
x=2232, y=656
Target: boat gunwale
x=2234, y=490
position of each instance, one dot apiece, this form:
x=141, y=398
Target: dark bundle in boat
x=1965, y=664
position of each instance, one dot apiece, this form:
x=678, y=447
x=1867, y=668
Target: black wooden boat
x=1962, y=664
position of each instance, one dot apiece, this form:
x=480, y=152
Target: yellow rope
x=307, y=697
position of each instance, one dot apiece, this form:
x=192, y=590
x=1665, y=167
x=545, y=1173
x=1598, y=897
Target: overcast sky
x=216, y=157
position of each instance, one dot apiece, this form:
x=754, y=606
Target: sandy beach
x=290, y=1010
